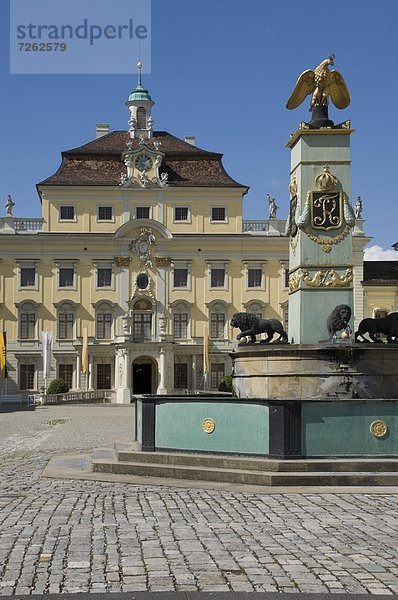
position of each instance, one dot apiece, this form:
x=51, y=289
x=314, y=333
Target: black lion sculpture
x=387, y=325
x=338, y=319
x=250, y=325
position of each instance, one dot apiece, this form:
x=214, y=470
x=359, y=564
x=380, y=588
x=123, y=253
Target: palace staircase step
x=250, y=471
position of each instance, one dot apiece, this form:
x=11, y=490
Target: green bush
x=58, y=386
x=225, y=384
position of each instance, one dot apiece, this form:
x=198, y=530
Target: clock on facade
x=143, y=162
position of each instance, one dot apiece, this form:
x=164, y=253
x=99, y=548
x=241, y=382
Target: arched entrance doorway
x=144, y=375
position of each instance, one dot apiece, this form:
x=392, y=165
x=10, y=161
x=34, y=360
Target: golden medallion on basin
x=208, y=425
x=378, y=429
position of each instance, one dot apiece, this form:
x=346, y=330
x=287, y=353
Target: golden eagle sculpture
x=321, y=83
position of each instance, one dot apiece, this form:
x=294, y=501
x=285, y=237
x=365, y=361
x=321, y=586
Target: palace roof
x=380, y=272
x=99, y=162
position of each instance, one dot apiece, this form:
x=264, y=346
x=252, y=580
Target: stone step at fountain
x=252, y=471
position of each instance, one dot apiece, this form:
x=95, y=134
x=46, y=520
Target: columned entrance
x=144, y=376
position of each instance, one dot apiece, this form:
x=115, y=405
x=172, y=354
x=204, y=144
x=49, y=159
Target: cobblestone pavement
x=84, y=536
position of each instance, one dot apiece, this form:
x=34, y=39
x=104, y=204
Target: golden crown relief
x=326, y=182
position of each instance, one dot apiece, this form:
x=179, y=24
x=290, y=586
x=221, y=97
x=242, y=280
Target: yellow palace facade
x=142, y=244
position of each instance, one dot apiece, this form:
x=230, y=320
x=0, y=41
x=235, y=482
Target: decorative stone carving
x=358, y=208
x=162, y=324
x=162, y=261
x=143, y=166
x=142, y=246
x=9, y=206
x=126, y=323
x=321, y=278
x=122, y=261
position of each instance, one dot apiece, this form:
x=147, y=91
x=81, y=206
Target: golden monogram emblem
x=326, y=210
x=208, y=425
x=378, y=429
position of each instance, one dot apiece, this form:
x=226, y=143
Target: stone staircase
x=249, y=471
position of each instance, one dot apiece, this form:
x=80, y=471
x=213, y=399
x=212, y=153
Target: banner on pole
x=47, y=342
x=3, y=354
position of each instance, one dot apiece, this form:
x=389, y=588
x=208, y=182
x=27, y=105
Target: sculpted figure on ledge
x=250, y=326
x=338, y=320
x=387, y=325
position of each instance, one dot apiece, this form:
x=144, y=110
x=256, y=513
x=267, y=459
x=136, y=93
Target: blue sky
x=222, y=70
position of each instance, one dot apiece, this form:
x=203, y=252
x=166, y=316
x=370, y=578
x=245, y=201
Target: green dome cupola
x=140, y=106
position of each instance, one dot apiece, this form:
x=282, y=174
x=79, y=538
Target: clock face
x=143, y=162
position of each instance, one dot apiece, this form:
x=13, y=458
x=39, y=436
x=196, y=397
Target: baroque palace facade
x=142, y=244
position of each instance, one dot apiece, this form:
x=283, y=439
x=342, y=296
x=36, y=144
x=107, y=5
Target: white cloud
x=378, y=253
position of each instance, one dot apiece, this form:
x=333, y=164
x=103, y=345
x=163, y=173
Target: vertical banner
x=84, y=351
x=47, y=342
x=3, y=354
x=205, y=353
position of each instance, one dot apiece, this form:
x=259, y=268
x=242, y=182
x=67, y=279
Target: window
x=180, y=325
x=217, y=371
x=67, y=213
x=104, y=323
x=104, y=277
x=141, y=118
x=254, y=278
x=286, y=277
x=256, y=308
x=380, y=313
x=105, y=213
x=142, y=320
x=285, y=311
x=27, y=321
x=180, y=213
x=217, y=278
x=26, y=377
x=218, y=213
x=142, y=212
x=142, y=281
x=66, y=276
x=181, y=375
x=65, y=372
x=66, y=321
x=180, y=278
x=217, y=324
x=104, y=376
x=27, y=326
x=142, y=326
x=28, y=276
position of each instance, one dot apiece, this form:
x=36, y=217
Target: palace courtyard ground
x=65, y=536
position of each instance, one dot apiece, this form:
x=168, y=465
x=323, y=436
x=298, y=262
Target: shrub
x=225, y=384
x=58, y=386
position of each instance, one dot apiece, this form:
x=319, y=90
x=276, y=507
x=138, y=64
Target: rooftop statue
x=321, y=83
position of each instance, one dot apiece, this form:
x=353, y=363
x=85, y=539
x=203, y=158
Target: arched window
x=181, y=321
x=257, y=308
x=218, y=319
x=27, y=321
x=104, y=322
x=141, y=118
x=66, y=321
x=142, y=320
